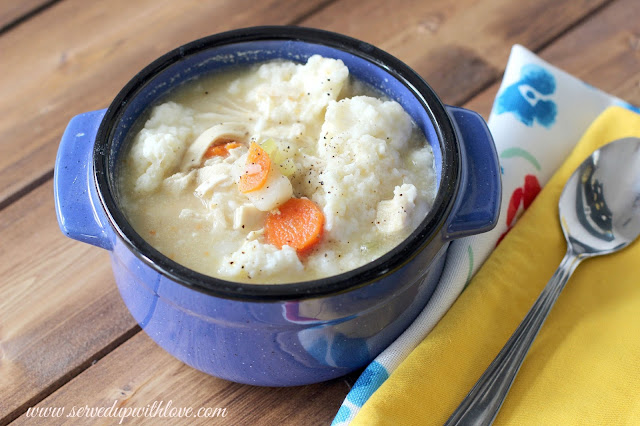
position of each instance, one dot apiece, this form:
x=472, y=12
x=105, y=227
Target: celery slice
x=270, y=147
x=288, y=167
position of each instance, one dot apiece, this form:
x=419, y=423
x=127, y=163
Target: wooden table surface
x=66, y=338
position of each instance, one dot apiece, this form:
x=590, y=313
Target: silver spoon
x=600, y=214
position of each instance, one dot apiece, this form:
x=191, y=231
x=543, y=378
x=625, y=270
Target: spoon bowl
x=600, y=204
x=600, y=214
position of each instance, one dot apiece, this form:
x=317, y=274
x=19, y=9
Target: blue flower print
x=529, y=98
x=342, y=415
x=368, y=382
x=628, y=106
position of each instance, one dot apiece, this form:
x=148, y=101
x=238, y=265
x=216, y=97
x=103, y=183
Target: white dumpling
x=160, y=145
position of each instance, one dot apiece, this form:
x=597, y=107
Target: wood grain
x=76, y=55
x=136, y=380
x=154, y=375
x=14, y=10
x=603, y=52
x=57, y=72
x=59, y=307
x=461, y=47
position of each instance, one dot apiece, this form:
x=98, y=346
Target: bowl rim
x=382, y=267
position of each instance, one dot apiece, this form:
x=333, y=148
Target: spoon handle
x=483, y=402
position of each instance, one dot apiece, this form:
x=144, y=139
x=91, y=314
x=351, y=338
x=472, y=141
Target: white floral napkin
x=537, y=118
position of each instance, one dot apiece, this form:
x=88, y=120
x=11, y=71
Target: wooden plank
x=458, y=48
x=76, y=55
x=602, y=42
x=54, y=294
x=59, y=308
x=14, y=10
x=157, y=375
x=603, y=52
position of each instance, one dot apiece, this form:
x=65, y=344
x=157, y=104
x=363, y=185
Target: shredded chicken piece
x=217, y=134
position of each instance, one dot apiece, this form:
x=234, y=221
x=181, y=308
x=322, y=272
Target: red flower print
x=523, y=195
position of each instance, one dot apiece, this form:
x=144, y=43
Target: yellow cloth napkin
x=583, y=368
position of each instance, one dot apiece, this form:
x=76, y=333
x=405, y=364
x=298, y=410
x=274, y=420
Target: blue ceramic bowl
x=290, y=334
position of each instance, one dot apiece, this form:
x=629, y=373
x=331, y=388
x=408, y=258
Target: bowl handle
x=478, y=204
x=80, y=215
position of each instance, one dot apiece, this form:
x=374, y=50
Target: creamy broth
x=357, y=156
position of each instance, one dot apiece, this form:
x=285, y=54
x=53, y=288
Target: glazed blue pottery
x=290, y=334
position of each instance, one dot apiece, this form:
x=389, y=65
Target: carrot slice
x=299, y=225
x=220, y=149
x=256, y=171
